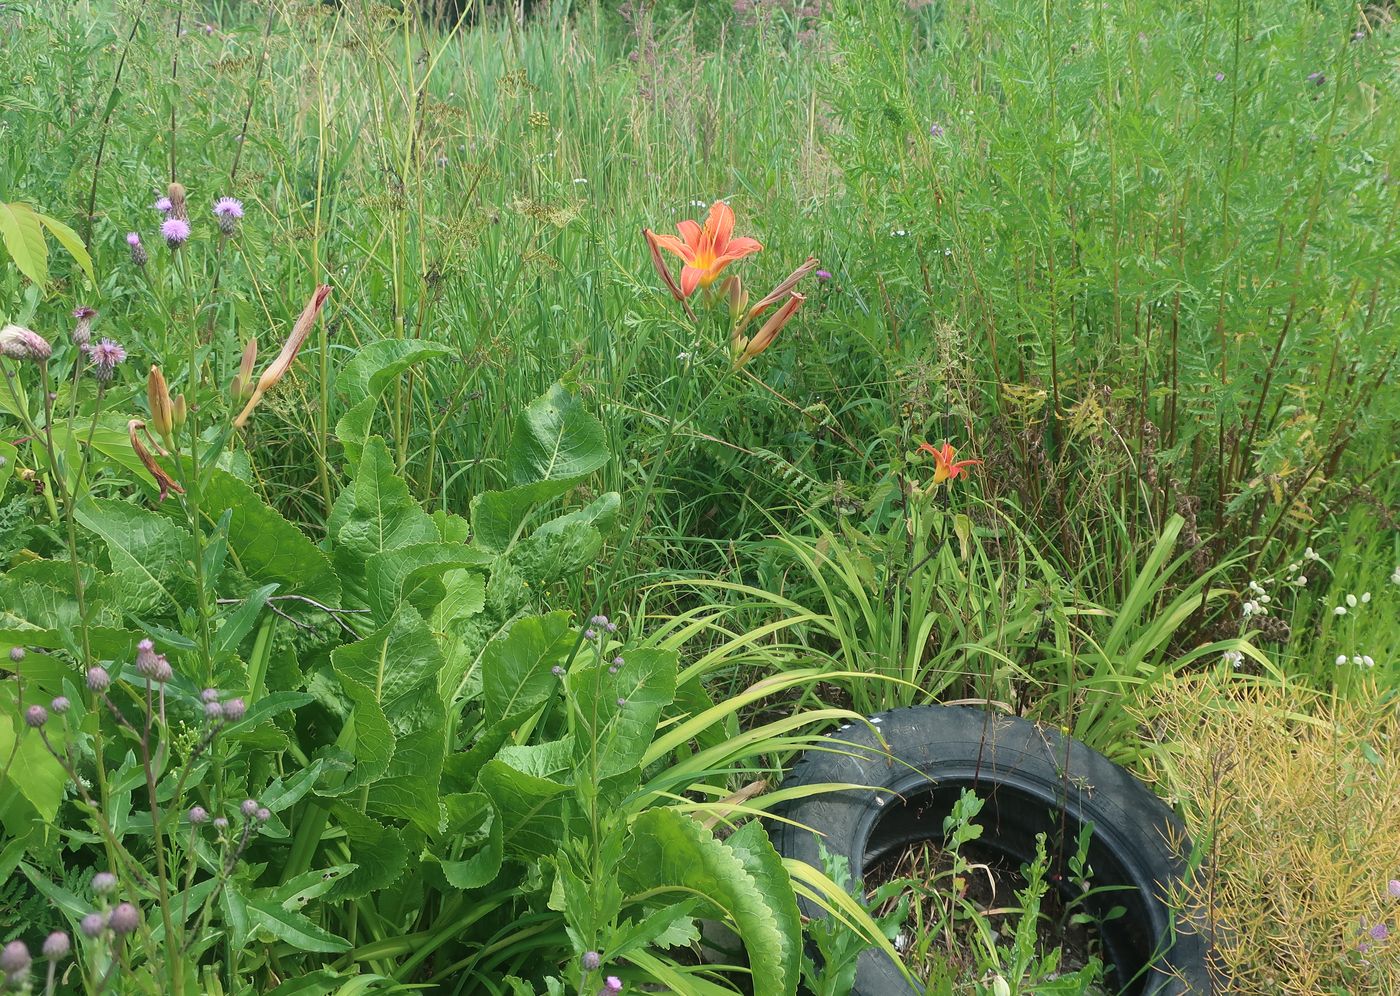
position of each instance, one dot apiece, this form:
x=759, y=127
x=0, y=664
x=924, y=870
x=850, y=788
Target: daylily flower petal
x=692, y=233
x=719, y=226
x=741, y=247
x=164, y=481
x=691, y=278
x=278, y=368
x=670, y=243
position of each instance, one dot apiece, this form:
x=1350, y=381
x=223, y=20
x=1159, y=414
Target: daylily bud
x=178, y=413
x=242, y=386
x=164, y=481
x=738, y=297
x=764, y=337
x=780, y=292
x=278, y=368
x=158, y=397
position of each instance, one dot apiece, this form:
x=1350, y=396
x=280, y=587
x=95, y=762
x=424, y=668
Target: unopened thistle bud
x=146, y=659
x=103, y=883
x=18, y=343
x=164, y=672
x=98, y=680
x=16, y=654
x=14, y=958
x=158, y=398
x=57, y=946
x=60, y=705
x=35, y=716
x=93, y=925
x=249, y=808
x=124, y=919
x=82, y=328
x=234, y=710
x=213, y=711
x=198, y=815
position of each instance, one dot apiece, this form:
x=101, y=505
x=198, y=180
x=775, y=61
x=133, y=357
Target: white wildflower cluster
x=1352, y=602
x=1258, y=602
x=1395, y=575
x=1356, y=660
x=1233, y=657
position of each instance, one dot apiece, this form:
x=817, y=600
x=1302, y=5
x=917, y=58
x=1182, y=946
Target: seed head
x=35, y=716
x=16, y=654
x=98, y=680
x=234, y=710
x=103, y=883
x=124, y=919
x=93, y=924
x=591, y=961
x=57, y=946
x=60, y=705
x=18, y=343
x=198, y=815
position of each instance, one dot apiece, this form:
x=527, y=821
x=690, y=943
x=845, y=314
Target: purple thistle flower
x=590, y=634
x=124, y=919
x=209, y=695
x=138, y=251
x=263, y=814
x=60, y=705
x=57, y=946
x=1393, y=887
x=823, y=276
x=228, y=211
x=163, y=205
x=621, y=702
x=1220, y=77
x=98, y=680
x=35, y=717
x=1317, y=78
x=82, y=331
x=936, y=130
x=249, y=807
x=105, y=356
x=618, y=661
x=1379, y=932
x=221, y=823
x=14, y=959
x=599, y=620
x=213, y=711
x=164, y=672
x=198, y=815
x=175, y=231
x=146, y=658
x=93, y=924
x=18, y=343
x=16, y=654
x=612, y=986
x=234, y=710
x=591, y=961
x=103, y=883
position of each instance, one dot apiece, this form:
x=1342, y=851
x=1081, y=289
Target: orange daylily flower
x=166, y=483
x=706, y=250
x=946, y=466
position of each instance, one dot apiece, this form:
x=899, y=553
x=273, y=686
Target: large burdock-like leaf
x=617, y=713
x=398, y=664
x=555, y=444
x=672, y=851
x=148, y=553
x=381, y=516
x=515, y=669
x=366, y=376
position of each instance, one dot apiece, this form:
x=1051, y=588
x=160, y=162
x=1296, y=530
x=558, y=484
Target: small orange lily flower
x=706, y=250
x=946, y=466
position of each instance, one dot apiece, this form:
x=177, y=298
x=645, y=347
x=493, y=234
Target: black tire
x=1027, y=774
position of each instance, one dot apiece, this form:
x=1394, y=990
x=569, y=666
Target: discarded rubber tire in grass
x=1026, y=774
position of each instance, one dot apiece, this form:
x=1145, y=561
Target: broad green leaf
x=379, y=852
x=8, y=456
x=670, y=926
x=751, y=844
x=373, y=744
x=352, y=428
x=265, y=911
x=69, y=240
x=295, y=894
x=532, y=809
x=147, y=551
x=516, y=675
x=618, y=712
x=384, y=515
x=265, y=546
x=30, y=771
x=378, y=363
x=394, y=575
x=399, y=664
x=472, y=831
x=466, y=596
x=24, y=239
x=240, y=622
x=672, y=851
x=555, y=443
